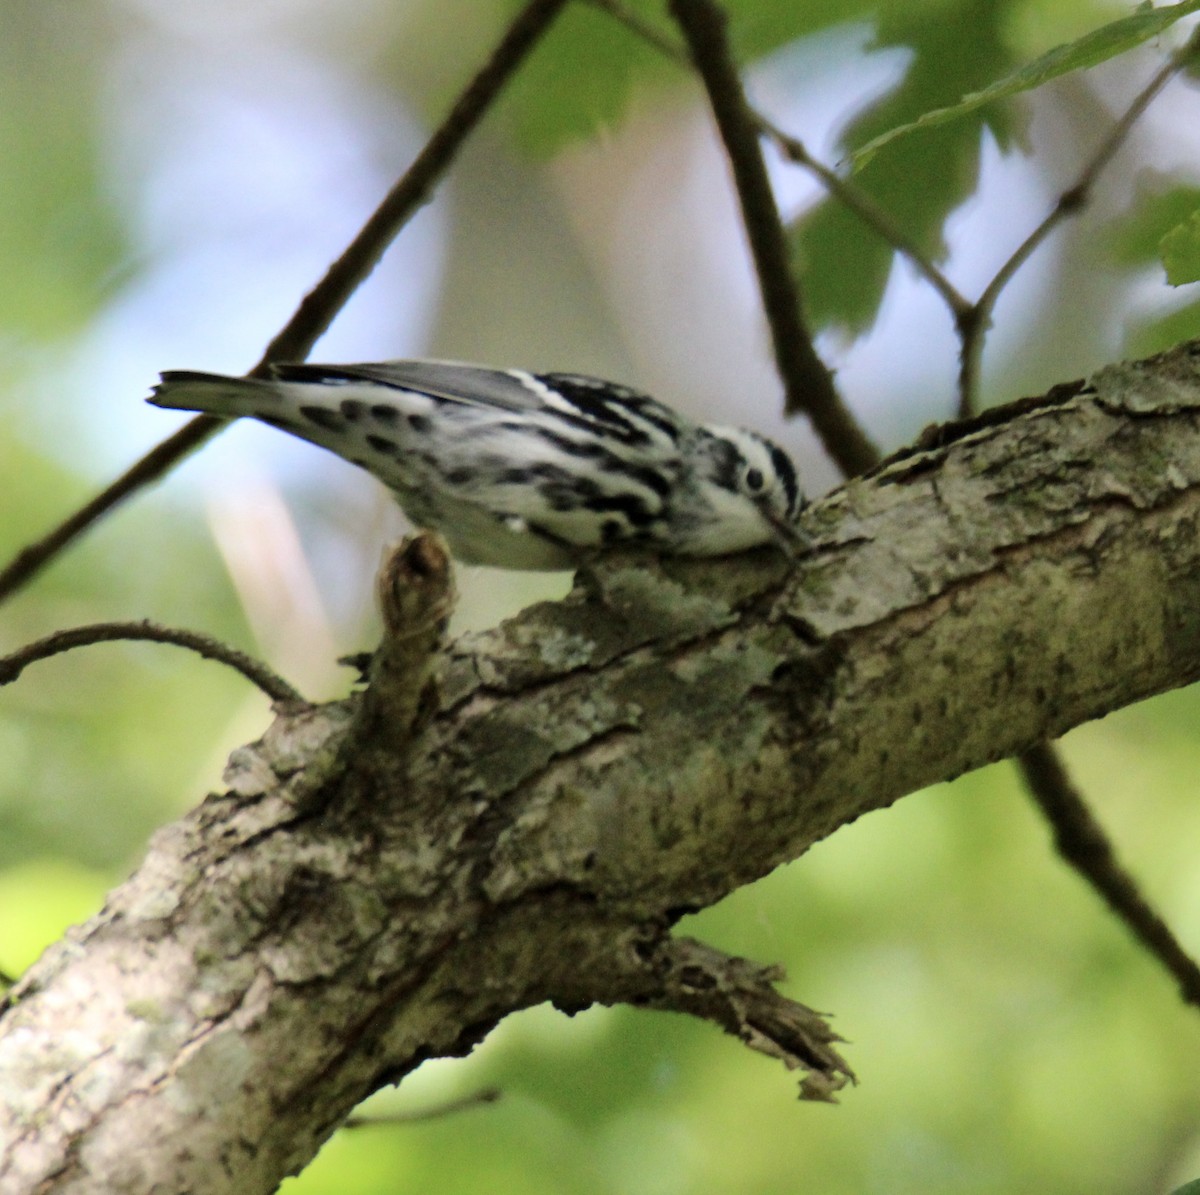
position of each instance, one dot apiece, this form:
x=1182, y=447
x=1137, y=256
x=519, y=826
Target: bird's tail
x=214, y=394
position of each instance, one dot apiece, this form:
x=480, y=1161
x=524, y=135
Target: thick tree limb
x=590, y=771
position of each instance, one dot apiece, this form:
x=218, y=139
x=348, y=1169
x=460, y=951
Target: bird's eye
x=754, y=480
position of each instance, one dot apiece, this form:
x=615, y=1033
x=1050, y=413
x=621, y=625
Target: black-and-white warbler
x=524, y=470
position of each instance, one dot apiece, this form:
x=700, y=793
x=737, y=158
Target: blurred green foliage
x=845, y=271
x=1180, y=251
x=61, y=240
x=1093, y=48
x=1163, y=205
x=1007, y=1034
x=580, y=81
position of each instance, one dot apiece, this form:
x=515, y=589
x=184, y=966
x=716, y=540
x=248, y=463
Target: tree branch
x=740, y=997
x=1082, y=842
x=844, y=190
x=590, y=771
x=973, y=322
x=255, y=671
x=704, y=26
x=1041, y=768
x=489, y=1095
x=1078, y=835
x=318, y=309
x=807, y=382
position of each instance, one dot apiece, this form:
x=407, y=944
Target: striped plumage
x=523, y=470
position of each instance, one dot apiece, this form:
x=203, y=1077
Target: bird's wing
x=451, y=381
x=613, y=414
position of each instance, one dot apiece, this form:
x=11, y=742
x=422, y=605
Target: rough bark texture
x=370, y=893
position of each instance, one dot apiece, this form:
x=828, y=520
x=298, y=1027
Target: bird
x=524, y=470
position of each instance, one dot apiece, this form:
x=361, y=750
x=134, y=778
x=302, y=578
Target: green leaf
x=582, y=79
x=1093, y=48
x=1160, y=204
x=1163, y=227
x=1161, y=332
x=845, y=265
x=1179, y=251
x=62, y=242
x=1192, y=1188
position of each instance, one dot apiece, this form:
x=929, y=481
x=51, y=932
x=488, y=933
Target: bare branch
x=1082, y=842
x=488, y=1095
x=578, y=785
x=255, y=671
x=871, y=213
x=415, y=590
x=973, y=324
x=971, y=321
x=740, y=997
x=852, y=197
x=317, y=310
x=807, y=383
x=32, y=558
x=319, y=307
x=1042, y=767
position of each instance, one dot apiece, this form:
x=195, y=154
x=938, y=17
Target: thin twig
x=972, y=329
x=489, y=1095
x=844, y=190
x=255, y=671
x=31, y=559
x=1081, y=841
x=319, y=307
x=973, y=325
x=807, y=383
x=643, y=29
x=972, y=319
x=871, y=213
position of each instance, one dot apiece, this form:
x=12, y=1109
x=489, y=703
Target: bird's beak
x=791, y=539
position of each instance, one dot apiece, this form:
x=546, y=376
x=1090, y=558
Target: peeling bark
x=362, y=898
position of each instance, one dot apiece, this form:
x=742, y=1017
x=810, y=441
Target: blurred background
x=173, y=178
